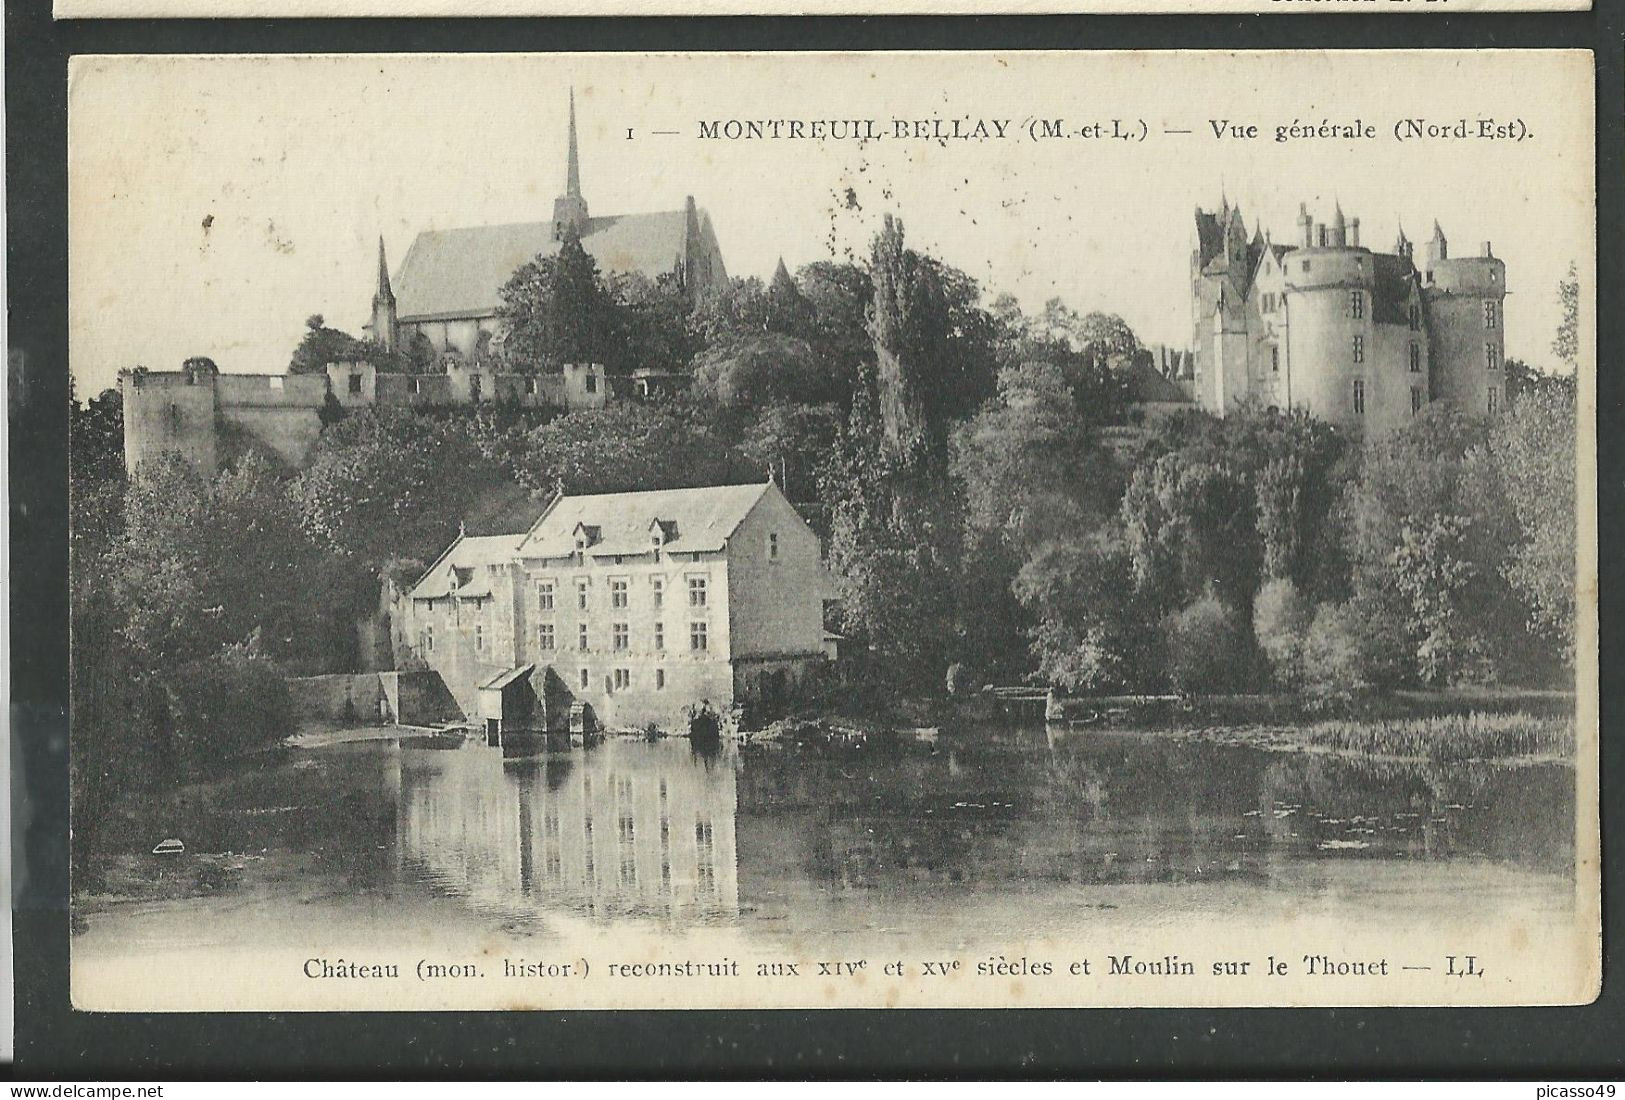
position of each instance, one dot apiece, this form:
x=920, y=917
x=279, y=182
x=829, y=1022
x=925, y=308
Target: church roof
x=456, y=273
x=694, y=519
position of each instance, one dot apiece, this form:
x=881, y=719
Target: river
x=997, y=832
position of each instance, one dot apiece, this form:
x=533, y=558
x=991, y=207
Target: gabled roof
x=695, y=519
x=503, y=679
x=455, y=573
x=452, y=273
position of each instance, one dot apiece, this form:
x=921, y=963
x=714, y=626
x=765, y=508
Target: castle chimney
x=1320, y=234
x=1305, y=225
x=1354, y=228
x=1487, y=254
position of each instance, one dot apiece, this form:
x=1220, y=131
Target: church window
x=1416, y=400
x=544, y=636
x=1416, y=357
x=1489, y=314
x=1359, y=349
x=1359, y=397
x=1491, y=359
x=355, y=383
x=1357, y=304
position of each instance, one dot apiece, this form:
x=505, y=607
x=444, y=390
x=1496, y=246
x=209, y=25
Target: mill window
x=619, y=635
x=544, y=636
x=617, y=593
x=623, y=679
x=581, y=595
x=697, y=639
x=544, y=595
x=660, y=591
x=696, y=591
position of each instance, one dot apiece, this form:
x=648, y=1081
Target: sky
x=217, y=202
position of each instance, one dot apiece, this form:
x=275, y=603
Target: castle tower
x=384, y=327
x=1340, y=229
x=1402, y=245
x=1438, y=247
x=1306, y=227
x=570, y=209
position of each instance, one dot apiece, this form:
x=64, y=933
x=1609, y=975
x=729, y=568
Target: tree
x=558, y=310
x=657, y=330
x=1566, y=344
x=1207, y=649
x=627, y=447
x=322, y=345
x=759, y=371
x=1281, y=620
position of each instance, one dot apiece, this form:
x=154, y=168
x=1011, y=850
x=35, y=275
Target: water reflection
x=626, y=829
x=655, y=830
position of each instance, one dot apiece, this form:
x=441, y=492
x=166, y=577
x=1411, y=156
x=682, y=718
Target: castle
x=450, y=294
x=1358, y=338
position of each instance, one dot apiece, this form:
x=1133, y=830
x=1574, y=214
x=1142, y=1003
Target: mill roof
x=452, y=273
x=693, y=520
x=463, y=570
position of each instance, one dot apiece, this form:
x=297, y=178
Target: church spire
x=384, y=293
x=385, y=327
x=572, y=175
x=570, y=208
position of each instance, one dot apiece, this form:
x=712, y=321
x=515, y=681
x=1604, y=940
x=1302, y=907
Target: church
x=449, y=287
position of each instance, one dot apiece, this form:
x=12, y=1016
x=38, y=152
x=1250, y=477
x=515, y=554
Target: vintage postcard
x=850, y=530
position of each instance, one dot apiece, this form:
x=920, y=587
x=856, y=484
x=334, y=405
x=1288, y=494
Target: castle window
x=1416, y=400
x=544, y=595
x=1356, y=304
x=586, y=680
x=355, y=383
x=1275, y=360
x=1489, y=314
x=1359, y=349
x=428, y=639
x=660, y=591
x=619, y=635
x=479, y=638
x=697, y=637
x=1491, y=359
x=696, y=592
x=581, y=637
x=544, y=636
x=1416, y=317
x=1359, y=397
x=581, y=594
x=660, y=679
x=617, y=593
x=660, y=635
x=623, y=679
x=1493, y=394
x=1416, y=357
x=592, y=382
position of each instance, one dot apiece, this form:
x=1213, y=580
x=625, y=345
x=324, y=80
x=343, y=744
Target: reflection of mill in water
x=600, y=834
